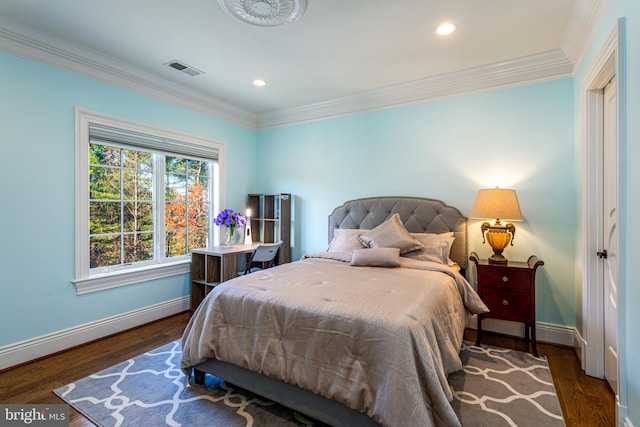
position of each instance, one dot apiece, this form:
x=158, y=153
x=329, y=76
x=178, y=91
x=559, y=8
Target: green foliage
x=121, y=217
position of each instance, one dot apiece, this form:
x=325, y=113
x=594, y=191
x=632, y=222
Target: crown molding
x=530, y=69
x=42, y=48
x=583, y=23
x=57, y=53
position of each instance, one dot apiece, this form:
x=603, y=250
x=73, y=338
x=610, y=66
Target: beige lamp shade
x=497, y=203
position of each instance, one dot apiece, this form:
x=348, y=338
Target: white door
x=610, y=229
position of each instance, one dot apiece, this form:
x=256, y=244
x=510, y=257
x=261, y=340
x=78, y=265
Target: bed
x=364, y=333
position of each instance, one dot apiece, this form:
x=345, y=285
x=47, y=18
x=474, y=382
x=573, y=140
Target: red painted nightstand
x=509, y=290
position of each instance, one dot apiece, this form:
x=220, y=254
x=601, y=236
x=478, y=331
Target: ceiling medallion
x=265, y=13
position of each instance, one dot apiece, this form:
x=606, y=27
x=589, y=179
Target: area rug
x=500, y=387
x=497, y=387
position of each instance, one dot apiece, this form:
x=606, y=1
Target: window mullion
x=122, y=191
x=214, y=204
x=159, y=204
x=187, y=229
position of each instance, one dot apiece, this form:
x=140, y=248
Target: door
x=610, y=238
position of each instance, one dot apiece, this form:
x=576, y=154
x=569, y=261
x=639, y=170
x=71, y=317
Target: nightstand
x=509, y=290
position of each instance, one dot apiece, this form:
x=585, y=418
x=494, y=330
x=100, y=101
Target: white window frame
x=87, y=281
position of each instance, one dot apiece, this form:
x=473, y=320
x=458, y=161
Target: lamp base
x=248, y=238
x=498, y=258
x=499, y=236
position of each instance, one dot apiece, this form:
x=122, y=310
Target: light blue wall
x=37, y=214
x=519, y=137
x=629, y=197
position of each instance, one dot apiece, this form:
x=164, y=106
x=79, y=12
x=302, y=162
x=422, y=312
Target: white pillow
x=435, y=247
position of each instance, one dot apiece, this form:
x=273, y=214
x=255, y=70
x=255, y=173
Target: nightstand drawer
x=506, y=278
x=507, y=305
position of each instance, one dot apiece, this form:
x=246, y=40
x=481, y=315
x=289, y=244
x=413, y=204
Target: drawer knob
x=505, y=302
x=505, y=279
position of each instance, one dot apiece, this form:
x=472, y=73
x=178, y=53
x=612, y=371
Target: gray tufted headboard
x=418, y=214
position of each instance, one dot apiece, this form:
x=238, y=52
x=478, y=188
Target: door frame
x=610, y=61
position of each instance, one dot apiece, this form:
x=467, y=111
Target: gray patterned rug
x=497, y=387
x=500, y=387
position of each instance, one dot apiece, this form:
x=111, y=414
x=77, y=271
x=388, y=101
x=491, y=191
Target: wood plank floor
x=585, y=401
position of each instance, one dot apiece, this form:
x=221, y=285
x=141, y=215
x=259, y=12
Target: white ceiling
x=338, y=50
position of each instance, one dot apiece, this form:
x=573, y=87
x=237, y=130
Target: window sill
x=123, y=278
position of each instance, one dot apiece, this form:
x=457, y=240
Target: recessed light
x=259, y=82
x=446, y=28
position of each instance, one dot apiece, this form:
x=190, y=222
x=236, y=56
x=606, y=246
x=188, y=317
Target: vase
x=228, y=236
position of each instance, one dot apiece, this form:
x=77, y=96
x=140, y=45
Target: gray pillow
x=377, y=257
x=346, y=240
x=391, y=234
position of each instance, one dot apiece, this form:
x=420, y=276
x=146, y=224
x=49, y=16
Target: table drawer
x=507, y=305
x=503, y=278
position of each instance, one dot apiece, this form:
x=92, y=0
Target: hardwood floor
x=33, y=382
x=585, y=401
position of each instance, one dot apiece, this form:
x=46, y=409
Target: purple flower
x=230, y=219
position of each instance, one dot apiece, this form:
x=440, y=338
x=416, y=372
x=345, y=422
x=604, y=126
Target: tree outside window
x=122, y=199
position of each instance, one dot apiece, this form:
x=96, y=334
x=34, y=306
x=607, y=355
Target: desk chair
x=263, y=253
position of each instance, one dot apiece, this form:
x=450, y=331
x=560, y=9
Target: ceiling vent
x=180, y=66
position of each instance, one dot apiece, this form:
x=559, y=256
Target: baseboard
x=24, y=351
x=547, y=332
x=14, y=354
x=622, y=414
x=580, y=349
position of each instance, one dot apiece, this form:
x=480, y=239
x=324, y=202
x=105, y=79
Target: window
x=187, y=209
x=144, y=198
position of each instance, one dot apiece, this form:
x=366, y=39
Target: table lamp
x=248, y=239
x=499, y=204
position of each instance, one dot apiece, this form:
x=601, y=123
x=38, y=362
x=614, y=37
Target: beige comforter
x=379, y=340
